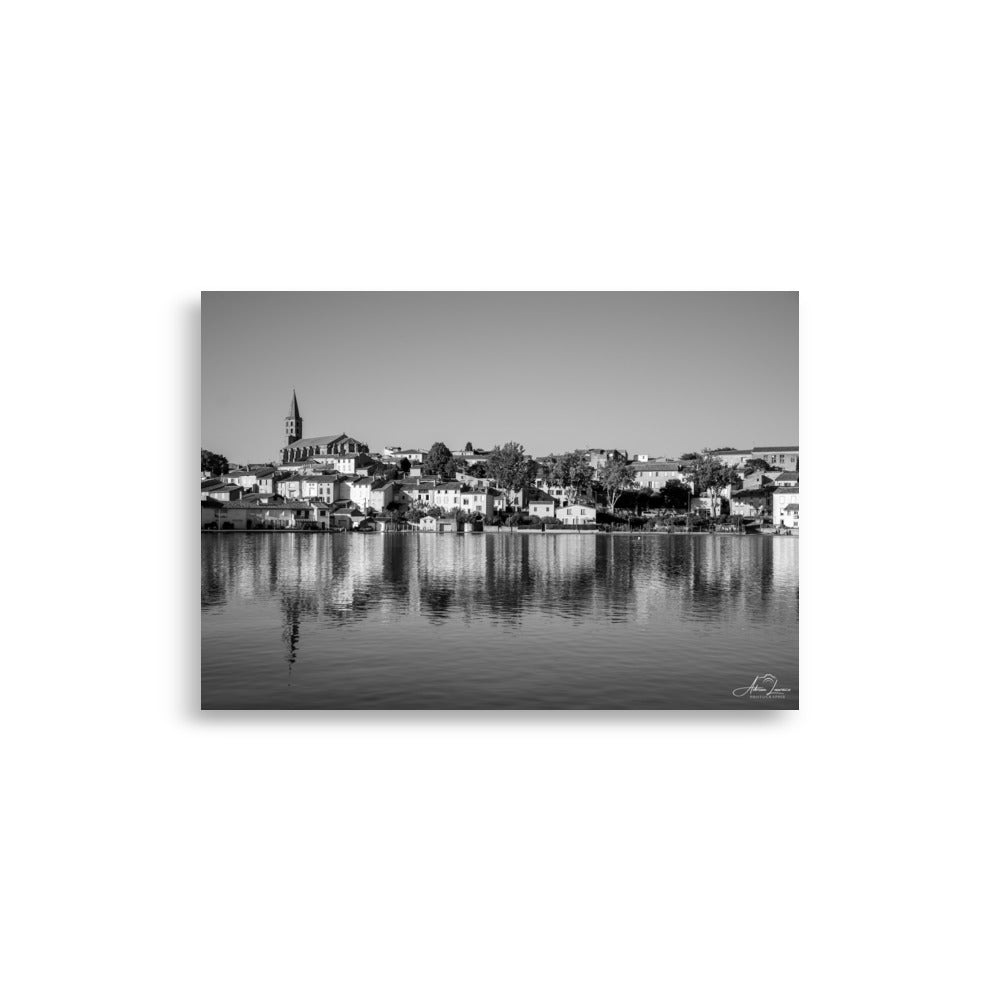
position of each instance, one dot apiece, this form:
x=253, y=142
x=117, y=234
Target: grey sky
x=656, y=372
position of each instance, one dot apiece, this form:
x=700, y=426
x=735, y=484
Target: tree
x=404, y=466
x=217, y=465
x=690, y=456
x=675, y=496
x=468, y=446
x=510, y=467
x=572, y=471
x=616, y=477
x=439, y=461
x=709, y=473
x=479, y=470
x=755, y=465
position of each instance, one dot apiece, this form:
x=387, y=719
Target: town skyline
x=680, y=373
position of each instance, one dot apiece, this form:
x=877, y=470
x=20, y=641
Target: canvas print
x=500, y=500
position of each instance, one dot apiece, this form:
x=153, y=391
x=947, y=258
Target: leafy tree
x=690, y=456
x=709, y=473
x=439, y=461
x=755, y=465
x=675, y=496
x=468, y=446
x=479, y=470
x=217, y=465
x=510, y=467
x=404, y=466
x=616, y=477
x=572, y=471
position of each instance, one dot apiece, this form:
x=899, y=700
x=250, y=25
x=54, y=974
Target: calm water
x=497, y=621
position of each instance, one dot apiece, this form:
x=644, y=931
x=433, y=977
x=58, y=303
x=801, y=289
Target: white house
x=437, y=524
x=447, y=496
x=542, y=507
x=577, y=513
x=478, y=501
x=361, y=491
x=786, y=507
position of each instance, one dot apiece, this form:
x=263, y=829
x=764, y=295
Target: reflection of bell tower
x=293, y=422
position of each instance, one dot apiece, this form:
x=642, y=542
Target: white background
x=845, y=150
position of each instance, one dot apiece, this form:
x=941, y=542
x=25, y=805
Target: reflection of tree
x=341, y=580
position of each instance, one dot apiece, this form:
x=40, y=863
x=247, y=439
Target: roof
x=543, y=498
x=656, y=467
x=223, y=488
x=293, y=410
x=324, y=439
x=364, y=481
x=453, y=485
x=787, y=475
x=787, y=489
x=211, y=503
x=210, y=484
x=285, y=505
x=792, y=506
x=778, y=447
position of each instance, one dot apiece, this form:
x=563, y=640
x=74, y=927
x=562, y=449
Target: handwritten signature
x=762, y=686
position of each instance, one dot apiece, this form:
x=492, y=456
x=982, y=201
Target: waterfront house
x=543, y=506
x=577, y=513
x=751, y=503
x=476, y=501
x=790, y=516
x=447, y=496
x=783, y=499
x=281, y=514
x=209, y=510
x=438, y=524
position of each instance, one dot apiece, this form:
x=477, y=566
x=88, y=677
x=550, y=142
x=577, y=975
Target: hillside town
x=337, y=482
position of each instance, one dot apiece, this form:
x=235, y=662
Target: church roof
x=326, y=439
x=293, y=410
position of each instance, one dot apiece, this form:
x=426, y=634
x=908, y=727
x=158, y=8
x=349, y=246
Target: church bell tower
x=293, y=422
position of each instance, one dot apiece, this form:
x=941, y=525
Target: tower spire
x=293, y=422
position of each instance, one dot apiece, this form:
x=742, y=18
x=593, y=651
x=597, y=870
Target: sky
x=658, y=373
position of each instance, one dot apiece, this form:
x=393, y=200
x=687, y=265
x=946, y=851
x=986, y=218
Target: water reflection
x=419, y=609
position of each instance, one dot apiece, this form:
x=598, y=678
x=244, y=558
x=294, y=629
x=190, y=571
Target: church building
x=297, y=448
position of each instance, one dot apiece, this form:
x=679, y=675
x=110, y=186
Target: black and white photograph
x=494, y=661
x=462, y=500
